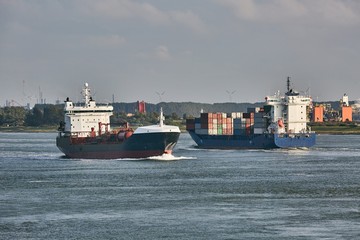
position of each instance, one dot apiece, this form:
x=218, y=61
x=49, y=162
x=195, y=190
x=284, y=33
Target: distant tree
x=34, y=117
x=174, y=116
x=52, y=114
x=44, y=114
x=13, y=116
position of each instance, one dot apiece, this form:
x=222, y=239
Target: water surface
x=194, y=194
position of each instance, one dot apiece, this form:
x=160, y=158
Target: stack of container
x=235, y=123
x=249, y=122
x=260, y=123
x=239, y=126
x=212, y=124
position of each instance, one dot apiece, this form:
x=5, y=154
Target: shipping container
x=248, y=115
x=212, y=132
x=202, y=131
x=259, y=115
x=259, y=130
x=259, y=125
x=228, y=131
x=239, y=131
x=255, y=110
x=235, y=115
x=190, y=124
x=239, y=121
x=204, y=116
x=249, y=122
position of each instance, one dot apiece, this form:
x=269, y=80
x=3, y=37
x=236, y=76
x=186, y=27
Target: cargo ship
x=280, y=123
x=86, y=133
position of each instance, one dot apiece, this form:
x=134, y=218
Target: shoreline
x=24, y=129
x=336, y=129
x=331, y=130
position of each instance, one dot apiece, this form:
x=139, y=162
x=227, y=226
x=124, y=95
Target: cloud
x=189, y=19
x=126, y=9
x=337, y=12
x=245, y=9
x=107, y=41
x=273, y=10
x=161, y=53
x=334, y=12
x=122, y=9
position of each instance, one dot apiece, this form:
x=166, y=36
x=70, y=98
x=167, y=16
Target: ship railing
x=74, y=134
x=268, y=115
x=64, y=133
x=295, y=135
x=83, y=134
x=78, y=134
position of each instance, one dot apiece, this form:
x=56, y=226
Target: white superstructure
x=87, y=119
x=288, y=112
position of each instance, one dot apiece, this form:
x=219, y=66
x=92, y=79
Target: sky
x=205, y=51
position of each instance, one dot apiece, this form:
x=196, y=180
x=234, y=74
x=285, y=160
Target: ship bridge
x=87, y=119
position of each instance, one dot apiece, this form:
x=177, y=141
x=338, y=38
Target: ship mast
x=161, y=124
x=86, y=94
x=288, y=84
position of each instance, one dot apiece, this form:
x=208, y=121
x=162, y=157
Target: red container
x=190, y=124
x=248, y=115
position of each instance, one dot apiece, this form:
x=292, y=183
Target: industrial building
x=325, y=112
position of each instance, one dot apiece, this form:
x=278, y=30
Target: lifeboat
x=281, y=123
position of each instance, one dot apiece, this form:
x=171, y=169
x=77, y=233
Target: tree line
x=50, y=114
x=40, y=115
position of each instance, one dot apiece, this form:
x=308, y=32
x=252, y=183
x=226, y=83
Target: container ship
x=86, y=133
x=280, y=123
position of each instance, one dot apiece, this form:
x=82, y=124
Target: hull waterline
x=137, y=146
x=255, y=141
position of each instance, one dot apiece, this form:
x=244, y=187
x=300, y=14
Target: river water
x=194, y=194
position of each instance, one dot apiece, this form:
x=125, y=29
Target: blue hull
x=255, y=141
x=295, y=141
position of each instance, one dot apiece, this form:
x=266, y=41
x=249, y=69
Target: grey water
x=194, y=194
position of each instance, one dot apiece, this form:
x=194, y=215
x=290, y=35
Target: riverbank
x=319, y=129
x=336, y=129
x=28, y=129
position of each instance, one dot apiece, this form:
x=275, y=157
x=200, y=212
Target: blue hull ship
x=280, y=123
x=255, y=141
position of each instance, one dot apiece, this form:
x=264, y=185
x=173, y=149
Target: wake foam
x=169, y=157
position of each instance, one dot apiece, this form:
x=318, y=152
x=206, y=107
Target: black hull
x=137, y=146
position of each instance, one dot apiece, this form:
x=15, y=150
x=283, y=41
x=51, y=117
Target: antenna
x=86, y=94
x=288, y=84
